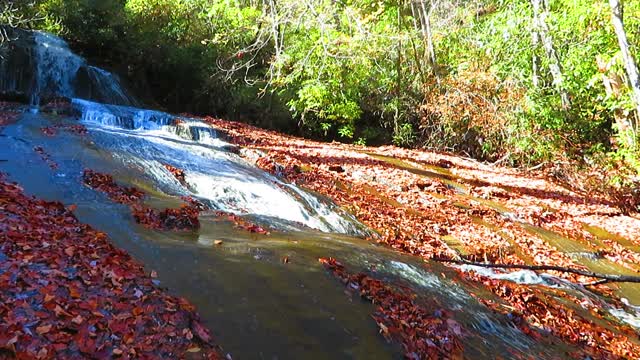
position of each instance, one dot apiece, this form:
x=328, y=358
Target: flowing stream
x=257, y=306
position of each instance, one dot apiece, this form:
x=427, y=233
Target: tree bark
x=540, y=13
x=428, y=35
x=629, y=62
x=535, y=60
x=424, y=15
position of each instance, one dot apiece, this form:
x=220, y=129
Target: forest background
x=540, y=84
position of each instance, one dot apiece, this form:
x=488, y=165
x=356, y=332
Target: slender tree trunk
x=275, y=31
x=428, y=35
x=398, y=69
x=540, y=24
x=535, y=60
x=416, y=55
x=629, y=62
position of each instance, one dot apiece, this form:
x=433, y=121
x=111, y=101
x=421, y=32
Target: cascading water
x=37, y=65
x=56, y=67
x=42, y=65
x=106, y=88
x=148, y=140
x=243, y=288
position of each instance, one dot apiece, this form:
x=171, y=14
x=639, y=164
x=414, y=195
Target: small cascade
x=56, y=67
x=107, y=89
x=147, y=140
x=35, y=66
x=125, y=117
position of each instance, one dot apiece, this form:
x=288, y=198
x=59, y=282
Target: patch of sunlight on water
x=602, y=234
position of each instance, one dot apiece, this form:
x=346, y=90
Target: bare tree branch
x=603, y=278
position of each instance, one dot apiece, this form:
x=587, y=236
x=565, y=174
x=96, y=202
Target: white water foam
x=56, y=65
x=149, y=139
x=630, y=315
x=57, y=69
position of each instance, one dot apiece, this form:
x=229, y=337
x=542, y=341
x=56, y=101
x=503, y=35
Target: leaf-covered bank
x=438, y=205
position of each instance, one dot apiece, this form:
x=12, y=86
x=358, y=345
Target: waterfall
x=122, y=116
x=107, y=88
x=56, y=67
x=35, y=66
x=147, y=140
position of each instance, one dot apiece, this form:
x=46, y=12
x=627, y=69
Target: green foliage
x=358, y=70
x=331, y=71
x=538, y=127
x=404, y=135
x=26, y=14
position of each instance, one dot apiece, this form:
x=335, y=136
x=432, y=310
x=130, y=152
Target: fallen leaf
x=43, y=329
x=74, y=293
x=201, y=332
x=69, y=250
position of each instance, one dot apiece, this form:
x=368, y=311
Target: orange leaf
x=43, y=329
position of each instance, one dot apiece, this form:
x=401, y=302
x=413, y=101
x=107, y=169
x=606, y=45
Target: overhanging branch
x=603, y=278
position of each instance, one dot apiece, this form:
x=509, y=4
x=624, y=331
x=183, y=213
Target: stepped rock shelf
x=234, y=219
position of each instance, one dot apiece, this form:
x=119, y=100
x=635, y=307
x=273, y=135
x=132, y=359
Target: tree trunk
x=399, y=88
x=629, y=62
x=418, y=58
x=428, y=35
x=540, y=24
x=275, y=29
x=535, y=60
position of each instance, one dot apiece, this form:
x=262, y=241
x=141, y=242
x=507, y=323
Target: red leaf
x=201, y=332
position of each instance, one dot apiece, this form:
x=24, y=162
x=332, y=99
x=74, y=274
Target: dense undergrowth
x=452, y=75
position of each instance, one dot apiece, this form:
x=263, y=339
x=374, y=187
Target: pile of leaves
x=59, y=106
x=74, y=129
x=67, y=292
x=9, y=113
x=242, y=223
x=423, y=333
x=106, y=184
x=183, y=218
x=45, y=157
x=49, y=131
x=177, y=173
